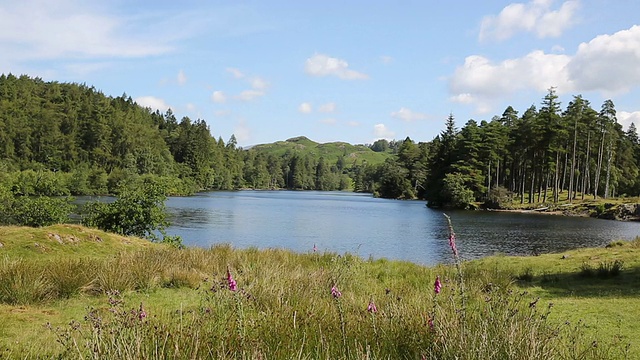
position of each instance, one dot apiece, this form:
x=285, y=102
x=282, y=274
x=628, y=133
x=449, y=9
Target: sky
x=353, y=71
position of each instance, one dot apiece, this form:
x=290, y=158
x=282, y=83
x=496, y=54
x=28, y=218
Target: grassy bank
x=75, y=292
x=623, y=208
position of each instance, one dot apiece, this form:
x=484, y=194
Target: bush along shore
x=68, y=291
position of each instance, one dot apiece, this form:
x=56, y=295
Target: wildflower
x=437, y=285
x=452, y=242
x=372, y=307
x=430, y=323
x=315, y=248
x=233, y=286
x=141, y=313
x=335, y=292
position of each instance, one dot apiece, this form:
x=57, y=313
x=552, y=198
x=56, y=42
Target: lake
x=360, y=224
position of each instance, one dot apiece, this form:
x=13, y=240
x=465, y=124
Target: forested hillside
x=542, y=156
x=60, y=138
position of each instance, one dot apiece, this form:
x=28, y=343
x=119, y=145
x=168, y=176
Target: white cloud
x=405, y=114
x=480, y=81
x=626, y=118
x=36, y=30
x=327, y=108
x=182, y=78
x=152, y=102
x=464, y=98
x=249, y=95
x=236, y=73
x=534, y=16
x=323, y=65
x=608, y=62
x=381, y=131
x=353, y=123
x=386, y=59
x=305, y=108
x=259, y=83
x=218, y=97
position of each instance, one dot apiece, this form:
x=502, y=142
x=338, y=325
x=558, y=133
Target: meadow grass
x=128, y=299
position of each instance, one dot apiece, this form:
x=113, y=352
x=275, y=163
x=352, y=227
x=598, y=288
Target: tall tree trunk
x=522, y=181
x=564, y=171
x=533, y=177
x=573, y=160
x=609, y=157
x=556, y=179
x=489, y=180
x=585, y=176
x=596, y=184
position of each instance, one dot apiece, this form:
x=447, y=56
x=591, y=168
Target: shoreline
x=607, y=211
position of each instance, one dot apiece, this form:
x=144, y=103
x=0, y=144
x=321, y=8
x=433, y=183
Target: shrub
x=41, y=211
x=457, y=194
x=498, y=198
x=138, y=211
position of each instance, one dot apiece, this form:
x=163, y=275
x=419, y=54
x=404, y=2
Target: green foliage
x=543, y=153
x=455, y=193
x=138, y=211
x=393, y=182
x=177, y=304
x=499, y=198
x=40, y=211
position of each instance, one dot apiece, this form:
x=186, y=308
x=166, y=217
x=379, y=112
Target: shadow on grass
x=586, y=283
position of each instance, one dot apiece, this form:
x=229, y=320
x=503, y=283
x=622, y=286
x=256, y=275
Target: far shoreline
x=607, y=211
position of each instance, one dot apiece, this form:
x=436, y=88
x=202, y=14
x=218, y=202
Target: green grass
x=284, y=309
x=65, y=240
x=608, y=306
x=353, y=154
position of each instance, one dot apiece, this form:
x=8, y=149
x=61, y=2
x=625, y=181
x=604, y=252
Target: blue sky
x=353, y=71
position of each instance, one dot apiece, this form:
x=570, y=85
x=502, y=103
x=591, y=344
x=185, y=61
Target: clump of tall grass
x=22, y=282
x=605, y=270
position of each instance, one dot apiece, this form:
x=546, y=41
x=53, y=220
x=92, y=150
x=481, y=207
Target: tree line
x=71, y=139
x=544, y=155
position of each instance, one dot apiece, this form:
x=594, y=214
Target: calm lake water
x=360, y=224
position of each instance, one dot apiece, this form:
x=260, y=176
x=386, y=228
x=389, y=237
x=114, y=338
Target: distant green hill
x=331, y=152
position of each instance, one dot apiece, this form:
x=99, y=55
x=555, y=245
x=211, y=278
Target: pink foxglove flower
x=452, y=242
x=372, y=307
x=233, y=286
x=437, y=285
x=430, y=323
x=335, y=292
x=315, y=248
x=141, y=313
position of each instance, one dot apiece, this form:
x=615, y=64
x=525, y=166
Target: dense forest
x=538, y=157
x=71, y=139
x=60, y=139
